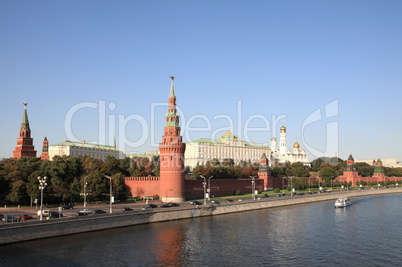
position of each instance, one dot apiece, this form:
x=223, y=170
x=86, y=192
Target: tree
x=215, y=162
x=32, y=185
x=327, y=173
x=119, y=187
x=228, y=162
x=364, y=169
x=17, y=193
x=98, y=185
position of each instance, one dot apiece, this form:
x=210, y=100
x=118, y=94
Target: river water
x=368, y=233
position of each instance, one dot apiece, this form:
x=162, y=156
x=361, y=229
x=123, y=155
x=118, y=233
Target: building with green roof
x=228, y=146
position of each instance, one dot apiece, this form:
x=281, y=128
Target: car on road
x=146, y=208
x=175, y=204
x=87, y=211
x=55, y=214
x=9, y=219
x=45, y=213
x=168, y=205
x=229, y=200
x=81, y=214
x=24, y=217
x=127, y=209
x=99, y=211
x=195, y=202
x=153, y=206
x=68, y=207
x=216, y=201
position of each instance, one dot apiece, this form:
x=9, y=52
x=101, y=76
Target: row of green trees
x=66, y=177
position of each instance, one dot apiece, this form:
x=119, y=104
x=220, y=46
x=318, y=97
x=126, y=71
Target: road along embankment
x=18, y=232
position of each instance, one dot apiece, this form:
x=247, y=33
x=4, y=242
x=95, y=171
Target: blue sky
x=247, y=60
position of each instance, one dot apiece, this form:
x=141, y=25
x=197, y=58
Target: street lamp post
x=291, y=185
x=253, y=187
x=205, y=193
x=309, y=187
x=111, y=197
x=42, y=185
x=85, y=192
x=209, y=187
x=283, y=187
x=319, y=186
x=341, y=185
x=146, y=191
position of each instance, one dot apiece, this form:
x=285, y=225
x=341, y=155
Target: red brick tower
x=350, y=174
x=379, y=171
x=171, y=151
x=45, y=150
x=264, y=173
x=24, y=147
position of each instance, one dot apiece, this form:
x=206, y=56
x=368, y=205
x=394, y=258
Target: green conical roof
x=25, y=121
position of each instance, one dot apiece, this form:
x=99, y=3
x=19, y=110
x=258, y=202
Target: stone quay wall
x=12, y=233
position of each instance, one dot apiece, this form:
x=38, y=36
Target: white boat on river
x=342, y=202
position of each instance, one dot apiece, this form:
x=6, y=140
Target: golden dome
x=273, y=139
x=283, y=129
x=296, y=145
x=228, y=132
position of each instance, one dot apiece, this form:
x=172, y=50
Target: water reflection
x=169, y=250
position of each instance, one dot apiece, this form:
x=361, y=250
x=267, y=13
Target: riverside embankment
x=18, y=232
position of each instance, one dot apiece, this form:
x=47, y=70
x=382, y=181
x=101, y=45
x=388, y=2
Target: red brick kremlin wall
x=193, y=188
x=139, y=186
x=221, y=187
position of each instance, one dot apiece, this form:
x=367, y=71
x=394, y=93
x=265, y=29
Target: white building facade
x=228, y=146
x=69, y=148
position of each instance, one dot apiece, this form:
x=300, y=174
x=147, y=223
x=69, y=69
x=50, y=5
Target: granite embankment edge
x=12, y=233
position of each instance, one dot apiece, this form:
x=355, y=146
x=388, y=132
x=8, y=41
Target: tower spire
x=172, y=118
x=24, y=147
x=171, y=94
x=25, y=121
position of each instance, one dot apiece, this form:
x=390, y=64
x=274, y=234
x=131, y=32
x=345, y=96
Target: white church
x=283, y=154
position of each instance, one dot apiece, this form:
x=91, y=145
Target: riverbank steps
x=25, y=231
